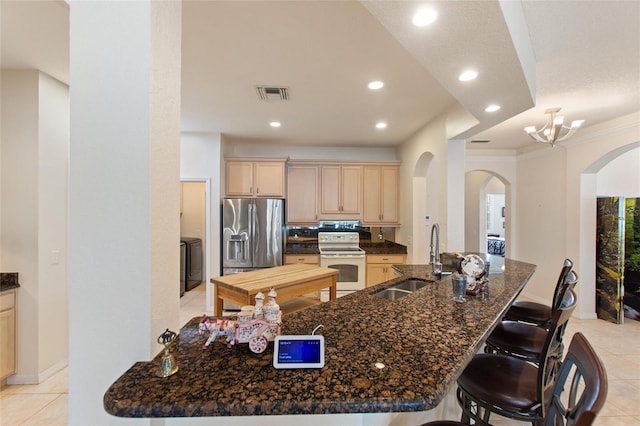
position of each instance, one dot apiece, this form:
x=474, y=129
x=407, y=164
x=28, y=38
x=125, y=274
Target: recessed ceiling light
x=424, y=17
x=275, y=124
x=492, y=108
x=468, y=75
x=375, y=85
x=381, y=125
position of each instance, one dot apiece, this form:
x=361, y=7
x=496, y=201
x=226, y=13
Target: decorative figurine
x=257, y=312
x=168, y=364
x=257, y=332
x=272, y=309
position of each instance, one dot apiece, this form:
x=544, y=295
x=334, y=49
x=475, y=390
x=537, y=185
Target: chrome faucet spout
x=434, y=254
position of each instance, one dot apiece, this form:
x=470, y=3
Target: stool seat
x=518, y=339
x=502, y=381
x=534, y=312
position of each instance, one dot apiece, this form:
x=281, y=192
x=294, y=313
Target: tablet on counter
x=298, y=351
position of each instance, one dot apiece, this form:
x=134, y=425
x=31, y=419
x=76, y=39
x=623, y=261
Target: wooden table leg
x=332, y=290
x=217, y=311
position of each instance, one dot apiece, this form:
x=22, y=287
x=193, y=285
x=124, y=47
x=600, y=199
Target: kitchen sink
x=401, y=289
x=410, y=285
x=392, y=293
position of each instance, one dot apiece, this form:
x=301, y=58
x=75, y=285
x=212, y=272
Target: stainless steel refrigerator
x=252, y=234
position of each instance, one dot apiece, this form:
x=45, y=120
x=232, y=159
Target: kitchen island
x=289, y=281
x=381, y=356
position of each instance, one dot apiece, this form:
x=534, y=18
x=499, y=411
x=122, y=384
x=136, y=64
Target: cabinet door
x=375, y=274
x=330, y=192
x=239, y=178
x=381, y=195
x=390, y=201
x=372, y=194
x=269, y=180
x=7, y=343
x=302, y=194
x=351, y=188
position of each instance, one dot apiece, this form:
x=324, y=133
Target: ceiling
x=583, y=56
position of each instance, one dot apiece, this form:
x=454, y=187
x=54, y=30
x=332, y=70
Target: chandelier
x=554, y=131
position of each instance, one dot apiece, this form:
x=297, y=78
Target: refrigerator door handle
x=251, y=210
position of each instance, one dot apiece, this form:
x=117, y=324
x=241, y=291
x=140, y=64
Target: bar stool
x=513, y=387
x=525, y=340
x=538, y=313
x=584, y=375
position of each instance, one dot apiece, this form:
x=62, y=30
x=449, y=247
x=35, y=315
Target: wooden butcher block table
x=289, y=281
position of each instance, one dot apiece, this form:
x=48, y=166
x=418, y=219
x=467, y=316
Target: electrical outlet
x=55, y=257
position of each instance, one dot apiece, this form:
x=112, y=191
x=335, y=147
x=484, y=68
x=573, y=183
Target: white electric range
x=341, y=251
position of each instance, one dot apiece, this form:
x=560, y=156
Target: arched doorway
x=487, y=213
x=587, y=229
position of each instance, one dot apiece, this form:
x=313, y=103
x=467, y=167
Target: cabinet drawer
x=312, y=259
x=7, y=300
x=386, y=258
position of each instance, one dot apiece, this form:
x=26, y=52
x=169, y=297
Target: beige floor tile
x=15, y=409
x=616, y=421
x=54, y=414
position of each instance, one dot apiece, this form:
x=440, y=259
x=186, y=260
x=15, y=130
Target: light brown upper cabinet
x=381, y=203
x=255, y=179
x=340, y=192
x=302, y=194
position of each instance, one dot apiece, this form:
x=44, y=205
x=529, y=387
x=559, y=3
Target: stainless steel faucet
x=434, y=254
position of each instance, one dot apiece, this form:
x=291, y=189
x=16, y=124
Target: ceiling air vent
x=272, y=93
x=480, y=141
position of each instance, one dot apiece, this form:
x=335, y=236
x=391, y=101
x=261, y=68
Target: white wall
x=53, y=160
x=124, y=193
x=556, y=190
x=621, y=177
x=431, y=183
x=475, y=209
x=239, y=148
x=589, y=152
x=35, y=152
x=201, y=160
x=503, y=167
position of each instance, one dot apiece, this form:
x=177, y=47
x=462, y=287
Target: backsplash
x=8, y=280
x=310, y=234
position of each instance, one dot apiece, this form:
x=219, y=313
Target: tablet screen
x=298, y=352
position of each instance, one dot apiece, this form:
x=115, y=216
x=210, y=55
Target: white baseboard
x=34, y=379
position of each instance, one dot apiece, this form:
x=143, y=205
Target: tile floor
x=617, y=345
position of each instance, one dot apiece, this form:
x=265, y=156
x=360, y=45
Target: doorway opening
x=195, y=223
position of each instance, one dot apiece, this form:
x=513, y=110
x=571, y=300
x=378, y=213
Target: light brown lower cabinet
x=380, y=267
x=7, y=334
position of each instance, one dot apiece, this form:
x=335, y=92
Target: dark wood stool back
x=513, y=387
x=526, y=340
x=538, y=313
x=579, y=392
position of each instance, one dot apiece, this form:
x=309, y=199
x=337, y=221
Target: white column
x=455, y=195
x=124, y=192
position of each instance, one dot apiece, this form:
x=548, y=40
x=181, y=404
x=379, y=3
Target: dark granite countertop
x=424, y=341
x=8, y=281
x=302, y=248
x=370, y=247
x=386, y=247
